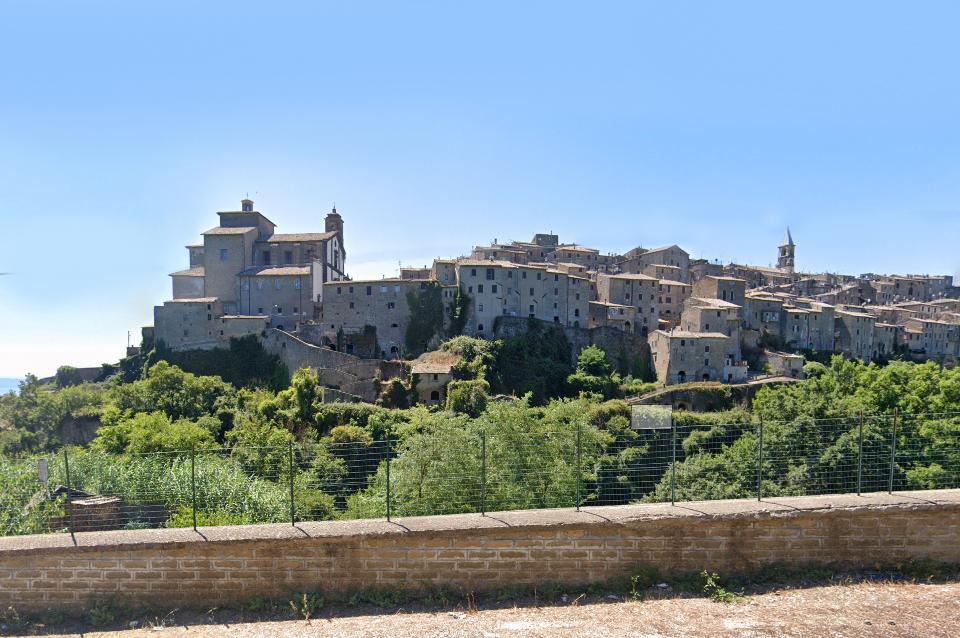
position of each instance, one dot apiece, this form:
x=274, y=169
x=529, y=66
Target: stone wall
x=169, y=568
x=618, y=345
x=339, y=370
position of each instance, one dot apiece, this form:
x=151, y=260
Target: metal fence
x=493, y=469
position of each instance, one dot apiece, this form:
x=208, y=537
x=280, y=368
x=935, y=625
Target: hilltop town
x=689, y=319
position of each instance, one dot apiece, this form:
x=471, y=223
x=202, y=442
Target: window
x=539, y=275
x=394, y=325
x=396, y=288
x=494, y=288
x=706, y=348
x=209, y=317
x=480, y=307
x=350, y=289
x=554, y=305
x=479, y=288
x=470, y=289
x=436, y=377
x=288, y=256
x=479, y=327
x=279, y=310
x=296, y=283
x=531, y=292
x=576, y=312
x=186, y=333
x=259, y=284
x=266, y=256
x=351, y=305
x=224, y=254
x=259, y=311
x=295, y=310
x=277, y=284
x=556, y=291
x=556, y=277
x=509, y=274
x=524, y=275
x=531, y=307
x=473, y=272
x=391, y=305
x=383, y=290
x=490, y=274
x=577, y=296
x=556, y=319
x=369, y=290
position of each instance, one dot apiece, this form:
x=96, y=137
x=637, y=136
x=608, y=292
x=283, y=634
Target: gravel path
x=868, y=609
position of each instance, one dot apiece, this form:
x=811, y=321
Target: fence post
x=483, y=472
x=760, y=464
x=388, y=477
x=579, y=465
x=893, y=448
x=66, y=469
x=193, y=485
x=293, y=511
x=673, y=463
x=860, y=456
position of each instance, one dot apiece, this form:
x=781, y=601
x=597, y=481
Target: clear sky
x=435, y=126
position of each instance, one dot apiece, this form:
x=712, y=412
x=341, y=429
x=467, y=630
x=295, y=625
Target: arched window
x=435, y=395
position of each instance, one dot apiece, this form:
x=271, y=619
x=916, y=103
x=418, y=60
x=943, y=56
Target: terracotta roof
x=275, y=271
x=194, y=300
x=295, y=237
x=628, y=275
x=196, y=271
x=436, y=362
x=229, y=230
x=713, y=303
x=686, y=334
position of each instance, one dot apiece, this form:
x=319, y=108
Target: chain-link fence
x=459, y=470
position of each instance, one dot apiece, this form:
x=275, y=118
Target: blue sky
x=436, y=126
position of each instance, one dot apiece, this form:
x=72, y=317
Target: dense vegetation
x=522, y=428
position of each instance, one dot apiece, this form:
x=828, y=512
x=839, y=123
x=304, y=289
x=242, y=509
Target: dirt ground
x=864, y=609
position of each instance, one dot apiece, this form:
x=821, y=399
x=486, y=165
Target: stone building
x=639, y=291
x=730, y=289
x=680, y=356
x=504, y=289
x=432, y=372
x=855, y=334
x=251, y=270
x=637, y=259
x=374, y=306
x=671, y=296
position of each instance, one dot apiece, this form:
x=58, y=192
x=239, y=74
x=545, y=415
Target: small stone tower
x=246, y=205
x=785, y=261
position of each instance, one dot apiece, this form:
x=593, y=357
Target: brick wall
x=215, y=566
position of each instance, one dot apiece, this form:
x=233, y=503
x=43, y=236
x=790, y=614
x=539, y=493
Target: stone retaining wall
x=224, y=565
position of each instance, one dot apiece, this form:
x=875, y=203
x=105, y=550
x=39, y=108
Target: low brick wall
x=216, y=566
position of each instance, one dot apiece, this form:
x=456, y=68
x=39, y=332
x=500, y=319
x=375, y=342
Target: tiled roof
x=686, y=334
x=196, y=271
x=194, y=300
x=712, y=303
x=275, y=271
x=229, y=230
x=435, y=363
x=297, y=237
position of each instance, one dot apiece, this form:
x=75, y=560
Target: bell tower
x=785, y=260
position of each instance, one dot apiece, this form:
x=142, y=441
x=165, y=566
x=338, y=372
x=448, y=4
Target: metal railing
x=463, y=470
